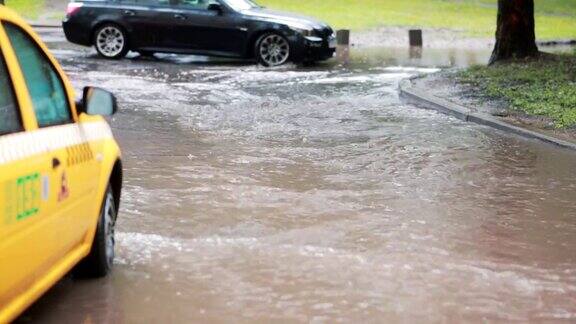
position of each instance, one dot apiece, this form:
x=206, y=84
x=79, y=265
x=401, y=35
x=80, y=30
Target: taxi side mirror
x=96, y=101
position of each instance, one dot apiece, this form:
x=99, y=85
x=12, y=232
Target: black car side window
x=194, y=4
x=154, y=2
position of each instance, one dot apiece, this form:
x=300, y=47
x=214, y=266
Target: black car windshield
x=241, y=4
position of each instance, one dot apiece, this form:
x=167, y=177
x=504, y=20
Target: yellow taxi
x=60, y=172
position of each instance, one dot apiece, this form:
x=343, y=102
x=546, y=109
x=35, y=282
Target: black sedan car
x=229, y=28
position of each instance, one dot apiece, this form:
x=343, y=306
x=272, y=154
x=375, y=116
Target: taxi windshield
x=241, y=4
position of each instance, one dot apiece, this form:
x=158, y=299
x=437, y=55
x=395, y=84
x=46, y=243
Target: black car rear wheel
x=111, y=41
x=272, y=49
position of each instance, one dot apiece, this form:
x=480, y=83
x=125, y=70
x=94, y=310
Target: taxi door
x=26, y=235
x=75, y=171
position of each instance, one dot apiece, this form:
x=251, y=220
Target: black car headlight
x=303, y=31
x=314, y=40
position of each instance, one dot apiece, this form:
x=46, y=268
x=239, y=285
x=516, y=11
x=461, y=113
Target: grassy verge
x=27, y=8
x=542, y=88
x=554, y=18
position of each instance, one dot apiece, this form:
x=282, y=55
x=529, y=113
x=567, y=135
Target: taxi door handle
x=179, y=16
x=129, y=13
x=56, y=163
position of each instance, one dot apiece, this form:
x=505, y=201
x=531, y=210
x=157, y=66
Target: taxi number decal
x=28, y=195
x=23, y=197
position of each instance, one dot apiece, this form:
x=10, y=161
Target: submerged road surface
x=292, y=194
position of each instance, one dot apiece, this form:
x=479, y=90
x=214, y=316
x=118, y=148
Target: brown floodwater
x=316, y=195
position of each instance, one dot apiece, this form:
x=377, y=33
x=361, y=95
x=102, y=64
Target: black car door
x=147, y=22
x=210, y=31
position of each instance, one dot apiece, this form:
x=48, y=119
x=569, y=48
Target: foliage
x=27, y=8
x=554, y=18
x=545, y=87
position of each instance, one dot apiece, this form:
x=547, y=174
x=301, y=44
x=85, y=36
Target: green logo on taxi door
x=28, y=192
x=23, y=197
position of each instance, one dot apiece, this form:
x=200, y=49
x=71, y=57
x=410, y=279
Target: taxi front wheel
x=101, y=258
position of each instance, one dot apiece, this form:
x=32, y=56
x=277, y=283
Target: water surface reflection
x=314, y=194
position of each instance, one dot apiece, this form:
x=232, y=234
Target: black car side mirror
x=215, y=7
x=96, y=101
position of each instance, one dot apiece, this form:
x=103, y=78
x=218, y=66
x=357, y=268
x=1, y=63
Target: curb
x=40, y=25
x=425, y=100
x=565, y=42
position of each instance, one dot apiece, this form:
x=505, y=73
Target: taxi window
x=9, y=115
x=44, y=84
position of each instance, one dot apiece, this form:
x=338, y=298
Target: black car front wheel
x=272, y=49
x=111, y=41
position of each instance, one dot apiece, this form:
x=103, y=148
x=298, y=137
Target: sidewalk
x=440, y=92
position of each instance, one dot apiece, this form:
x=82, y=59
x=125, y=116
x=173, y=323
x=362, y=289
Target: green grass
x=542, y=88
x=27, y=8
x=554, y=18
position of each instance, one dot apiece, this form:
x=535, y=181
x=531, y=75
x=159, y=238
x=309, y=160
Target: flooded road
x=316, y=195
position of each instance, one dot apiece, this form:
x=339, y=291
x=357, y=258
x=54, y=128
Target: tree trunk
x=515, y=35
